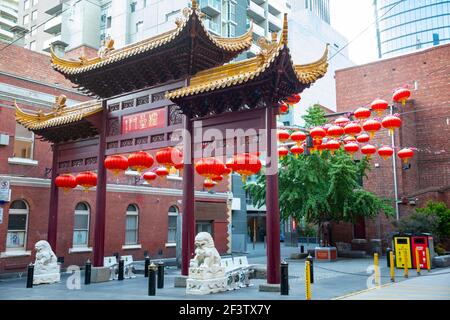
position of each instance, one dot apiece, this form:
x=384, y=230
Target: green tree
x=315, y=116
x=322, y=187
x=442, y=214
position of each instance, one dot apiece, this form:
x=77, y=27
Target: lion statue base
x=206, y=275
x=46, y=268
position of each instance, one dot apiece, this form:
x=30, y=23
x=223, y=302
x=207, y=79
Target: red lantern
x=351, y=148
x=283, y=135
x=162, y=172
x=217, y=178
x=335, y=131
x=297, y=150
x=293, y=99
x=333, y=145
x=282, y=152
x=317, y=133
x=149, y=176
x=352, y=129
x=179, y=165
x=320, y=146
x=368, y=150
x=169, y=156
x=66, y=181
x=385, y=152
x=116, y=164
x=379, y=106
x=284, y=108
x=391, y=123
x=245, y=164
x=349, y=139
x=401, y=95
x=362, y=113
x=140, y=161
x=405, y=154
x=363, y=138
x=371, y=126
x=226, y=171
x=209, y=168
x=87, y=180
x=298, y=137
x=209, y=184
x=341, y=121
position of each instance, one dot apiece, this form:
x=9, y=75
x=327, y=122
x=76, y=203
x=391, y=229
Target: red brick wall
x=425, y=125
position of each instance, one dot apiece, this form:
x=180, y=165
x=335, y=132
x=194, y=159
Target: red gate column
x=100, y=204
x=52, y=230
x=272, y=207
x=188, y=221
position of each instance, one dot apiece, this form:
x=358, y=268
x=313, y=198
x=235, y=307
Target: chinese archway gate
x=147, y=90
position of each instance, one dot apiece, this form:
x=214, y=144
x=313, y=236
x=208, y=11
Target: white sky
x=350, y=17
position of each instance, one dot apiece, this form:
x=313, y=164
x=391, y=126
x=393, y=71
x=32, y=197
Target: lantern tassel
x=372, y=134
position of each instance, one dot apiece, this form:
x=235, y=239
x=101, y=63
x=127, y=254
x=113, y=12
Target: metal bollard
x=311, y=268
x=30, y=274
x=307, y=280
x=428, y=259
x=376, y=269
x=417, y=262
x=160, y=275
x=152, y=279
x=147, y=264
x=405, y=264
x=391, y=265
x=388, y=257
x=121, y=267
x=87, y=272
x=284, y=278
x=302, y=249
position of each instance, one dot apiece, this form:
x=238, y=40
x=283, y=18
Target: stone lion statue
x=46, y=268
x=207, y=258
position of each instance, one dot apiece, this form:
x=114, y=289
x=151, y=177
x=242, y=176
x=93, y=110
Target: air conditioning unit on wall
x=4, y=139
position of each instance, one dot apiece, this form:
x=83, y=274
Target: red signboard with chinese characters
x=143, y=121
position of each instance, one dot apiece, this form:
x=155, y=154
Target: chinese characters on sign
x=143, y=121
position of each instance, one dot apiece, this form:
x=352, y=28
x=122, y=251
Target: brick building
x=425, y=126
x=141, y=218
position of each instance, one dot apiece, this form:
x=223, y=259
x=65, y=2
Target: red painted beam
x=52, y=231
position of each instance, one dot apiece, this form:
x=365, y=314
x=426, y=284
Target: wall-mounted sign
x=1, y=215
x=144, y=121
x=5, y=191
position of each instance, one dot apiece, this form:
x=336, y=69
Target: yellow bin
x=402, y=244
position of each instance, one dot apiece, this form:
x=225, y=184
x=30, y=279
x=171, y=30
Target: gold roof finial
x=194, y=5
x=284, y=35
x=274, y=37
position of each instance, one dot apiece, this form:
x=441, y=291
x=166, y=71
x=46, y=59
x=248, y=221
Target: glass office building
x=407, y=25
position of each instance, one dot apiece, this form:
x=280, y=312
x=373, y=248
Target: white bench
x=241, y=264
x=111, y=263
x=128, y=265
x=237, y=271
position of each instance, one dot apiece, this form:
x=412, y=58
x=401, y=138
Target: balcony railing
x=275, y=23
x=211, y=7
x=53, y=26
x=255, y=11
x=212, y=26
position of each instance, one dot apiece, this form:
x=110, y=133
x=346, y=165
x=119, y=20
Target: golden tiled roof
x=246, y=70
x=82, y=65
x=59, y=116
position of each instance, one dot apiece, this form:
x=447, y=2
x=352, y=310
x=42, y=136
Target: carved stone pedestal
x=206, y=286
x=47, y=278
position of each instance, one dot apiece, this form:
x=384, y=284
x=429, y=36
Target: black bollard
x=147, y=264
x=30, y=274
x=284, y=288
x=152, y=280
x=87, y=272
x=388, y=259
x=121, y=263
x=311, y=269
x=302, y=249
x=160, y=275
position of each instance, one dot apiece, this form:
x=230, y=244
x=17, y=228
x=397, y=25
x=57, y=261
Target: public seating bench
x=237, y=271
x=113, y=265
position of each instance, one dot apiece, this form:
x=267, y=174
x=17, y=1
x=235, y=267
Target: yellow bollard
x=417, y=262
x=428, y=260
x=391, y=260
x=405, y=264
x=376, y=269
x=307, y=280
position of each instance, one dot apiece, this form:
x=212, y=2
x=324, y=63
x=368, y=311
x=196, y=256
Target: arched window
x=16, y=237
x=81, y=225
x=132, y=225
x=172, y=226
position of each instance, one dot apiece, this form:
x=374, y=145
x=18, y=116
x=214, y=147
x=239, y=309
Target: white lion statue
x=206, y=263
x=46, y=268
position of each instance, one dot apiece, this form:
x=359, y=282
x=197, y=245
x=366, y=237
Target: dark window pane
x=81, y=222
x=18, y=204
x=82, y=207
x=17, y=222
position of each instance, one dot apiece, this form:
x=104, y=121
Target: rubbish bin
x=421, y=242
x=402, y=243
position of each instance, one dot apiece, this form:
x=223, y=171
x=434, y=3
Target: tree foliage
x=315, y=116
x=321, y=187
